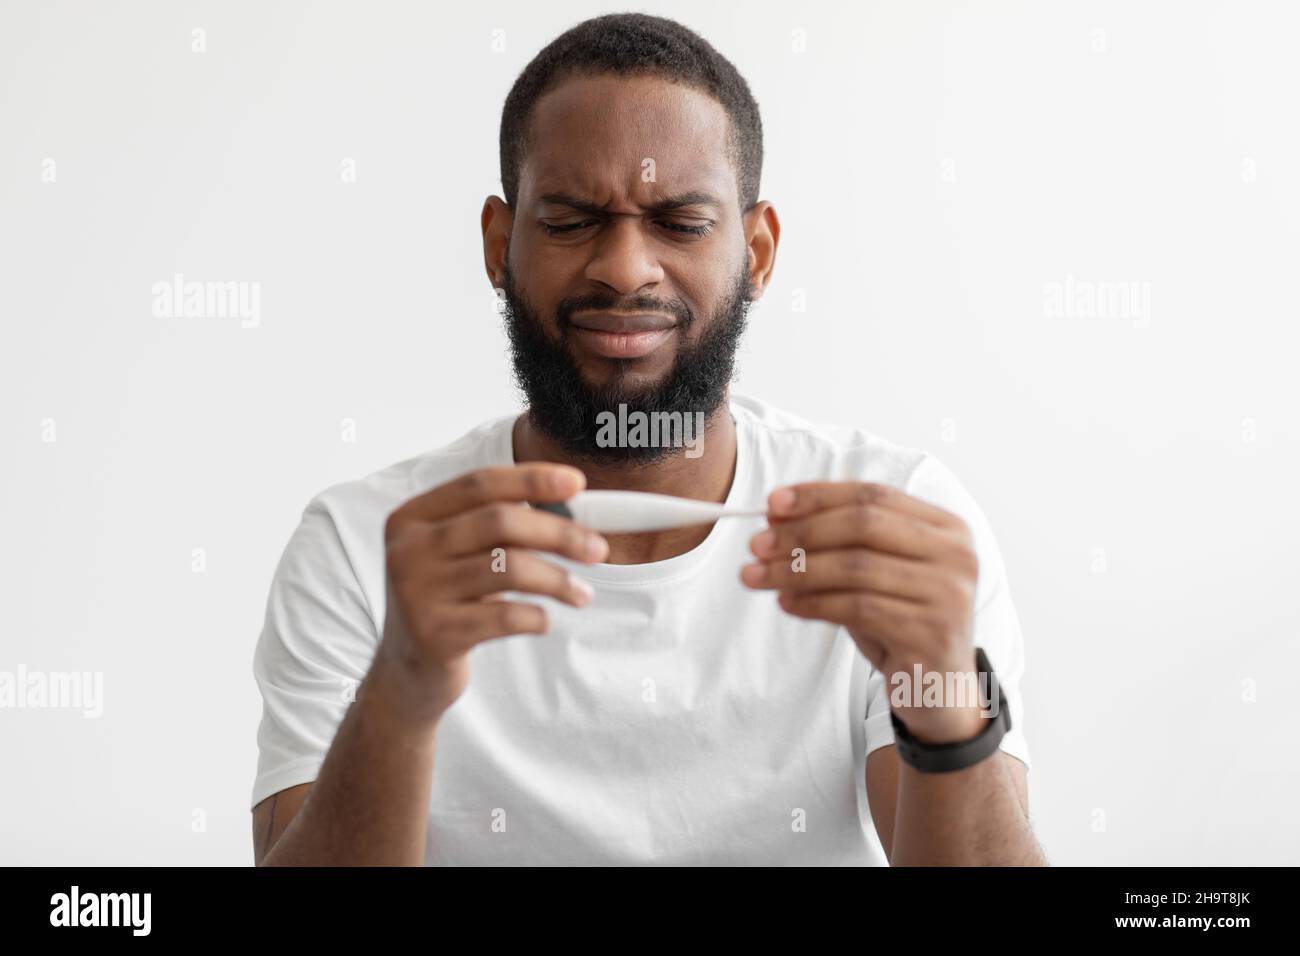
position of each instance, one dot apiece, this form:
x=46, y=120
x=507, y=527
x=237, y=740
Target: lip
x=623, y=335
x=623, y=323
x=623, y=345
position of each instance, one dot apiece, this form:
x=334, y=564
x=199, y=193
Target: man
x=452, y=675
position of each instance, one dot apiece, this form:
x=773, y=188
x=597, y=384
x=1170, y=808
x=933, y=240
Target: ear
x=496, y=221
x=762, y=234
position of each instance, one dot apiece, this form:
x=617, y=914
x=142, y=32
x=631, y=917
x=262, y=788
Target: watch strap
x=960, y=754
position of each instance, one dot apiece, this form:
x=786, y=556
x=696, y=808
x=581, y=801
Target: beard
x=564, y=407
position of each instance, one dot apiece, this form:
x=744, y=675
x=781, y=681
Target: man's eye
x=560, y=229
x=698, y=230
x=690, y=229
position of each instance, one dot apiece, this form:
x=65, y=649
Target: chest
x=643, y=722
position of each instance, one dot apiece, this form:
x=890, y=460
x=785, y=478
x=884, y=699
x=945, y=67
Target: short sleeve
x=997, y=627
x=316, y=645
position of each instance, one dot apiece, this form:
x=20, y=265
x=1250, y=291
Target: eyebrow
x=663, y=205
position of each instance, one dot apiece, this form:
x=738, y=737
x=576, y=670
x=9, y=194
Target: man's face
x=626, y=276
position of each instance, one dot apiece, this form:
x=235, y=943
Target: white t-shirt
x=679, y=718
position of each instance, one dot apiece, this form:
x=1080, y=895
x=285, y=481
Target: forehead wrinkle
x=620, y=123
x=654, y=198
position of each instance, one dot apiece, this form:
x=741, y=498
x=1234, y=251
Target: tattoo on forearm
x=262, y=835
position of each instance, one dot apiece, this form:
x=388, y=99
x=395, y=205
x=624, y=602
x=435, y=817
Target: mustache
x=596, y=301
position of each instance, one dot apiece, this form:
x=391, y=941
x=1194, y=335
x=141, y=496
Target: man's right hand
x=445, y=574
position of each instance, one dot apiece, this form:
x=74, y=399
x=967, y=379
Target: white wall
x=935, y=167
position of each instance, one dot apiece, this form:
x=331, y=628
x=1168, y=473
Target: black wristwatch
x=941, y=758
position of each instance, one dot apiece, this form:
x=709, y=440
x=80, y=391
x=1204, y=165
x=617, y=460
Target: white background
x=935, y=167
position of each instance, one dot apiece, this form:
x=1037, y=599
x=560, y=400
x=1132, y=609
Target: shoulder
x=369, y=500
x=344, y=522
x=824, y=451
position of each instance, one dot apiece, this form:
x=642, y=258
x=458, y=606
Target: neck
x=706, y=477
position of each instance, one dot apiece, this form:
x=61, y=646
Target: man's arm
x=369, y=806
x=978, y=816
x=901, y=575
x=452, y=556
x=273, y=815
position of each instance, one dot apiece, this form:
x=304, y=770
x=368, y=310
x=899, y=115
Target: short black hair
x=636, y=44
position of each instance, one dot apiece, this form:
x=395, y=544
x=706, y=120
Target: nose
x=623, y=258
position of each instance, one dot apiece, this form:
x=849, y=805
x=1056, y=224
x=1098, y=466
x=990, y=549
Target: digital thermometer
x=626, y=511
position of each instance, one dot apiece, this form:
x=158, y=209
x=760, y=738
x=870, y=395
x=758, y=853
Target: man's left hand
x=899, y=574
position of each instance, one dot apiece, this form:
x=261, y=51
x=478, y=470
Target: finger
x=531, y=481
x=514, y=525
x=871, y=649
x=856, y=525
x=889, y=621
x=846, y=569
x=480, y=575
x=794, y=501
x=464, y=625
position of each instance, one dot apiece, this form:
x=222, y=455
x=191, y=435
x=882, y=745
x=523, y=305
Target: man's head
x=631, y=240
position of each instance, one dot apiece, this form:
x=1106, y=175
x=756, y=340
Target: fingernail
x=763, y=544
x=597, y=548
x=782, y=500
x=563, y=481
x=584, y=590
x=754, y=574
